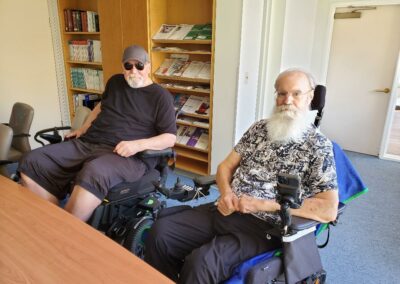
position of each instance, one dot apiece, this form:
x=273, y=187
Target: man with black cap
x=134, y=115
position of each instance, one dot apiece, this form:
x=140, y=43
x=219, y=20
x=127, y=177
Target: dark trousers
x=200, y=245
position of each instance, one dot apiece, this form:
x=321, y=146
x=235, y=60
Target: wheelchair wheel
x=136, y=236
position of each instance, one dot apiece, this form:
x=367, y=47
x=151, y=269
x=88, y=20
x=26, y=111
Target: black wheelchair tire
x=135, y=238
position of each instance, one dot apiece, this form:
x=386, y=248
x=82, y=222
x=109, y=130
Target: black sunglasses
x=138, y=65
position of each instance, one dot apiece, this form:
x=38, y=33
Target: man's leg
x=47, y=171
x=240, y=237
x=82, y=203
x=37, y=189
x=173, y=237
x=98, y=176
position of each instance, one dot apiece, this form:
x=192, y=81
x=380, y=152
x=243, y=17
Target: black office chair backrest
x=318, y=103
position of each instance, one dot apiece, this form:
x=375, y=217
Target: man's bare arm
x=88, y=122
x=159, y=142
x=321, y=207
x=228, y=202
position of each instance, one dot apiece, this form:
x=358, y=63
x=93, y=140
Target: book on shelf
x=193, y=69
x=200, y=32
x=185, y=134
x=205, y=72
x=81, y=21
x=163, y=69
x=180, y=32
x=193, y=137
x=196, y=105
x=180, y=100
x=86, y=78
x=165, y=31
x=199, y=139
x=202, y=142
x=85, y=50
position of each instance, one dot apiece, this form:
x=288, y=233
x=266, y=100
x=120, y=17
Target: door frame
x=390, y=115
x=326, y=57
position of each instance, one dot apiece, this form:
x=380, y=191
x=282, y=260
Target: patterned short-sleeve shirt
x=311, y=158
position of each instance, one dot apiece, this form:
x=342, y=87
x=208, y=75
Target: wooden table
x=41, y=243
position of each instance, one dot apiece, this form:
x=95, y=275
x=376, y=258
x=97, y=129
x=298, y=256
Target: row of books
x=178, y=49
x=86, y=78
x=87, y=100
x=200, y=88
x=86, y=50
x=184, y=32
x=179, y=66
x=81, y=21
x=191, y=104
x=192, y=136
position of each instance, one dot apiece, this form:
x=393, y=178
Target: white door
x=363, y=59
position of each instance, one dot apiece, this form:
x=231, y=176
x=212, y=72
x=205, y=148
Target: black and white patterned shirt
x=311, y=158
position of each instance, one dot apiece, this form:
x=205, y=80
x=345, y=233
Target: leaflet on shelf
x=165, y=31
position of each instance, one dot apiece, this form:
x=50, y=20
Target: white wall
x=227, y=47
x=27, y=68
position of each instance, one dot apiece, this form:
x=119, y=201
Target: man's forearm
x=92, y=116
x=319, y=209
x=159, y=142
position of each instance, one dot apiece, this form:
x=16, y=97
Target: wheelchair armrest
x=299, y=223
x=168, y=152
x=204, y=181
x=5, y=162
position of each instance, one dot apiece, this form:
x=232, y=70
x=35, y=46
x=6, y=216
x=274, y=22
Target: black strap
x=327, y=238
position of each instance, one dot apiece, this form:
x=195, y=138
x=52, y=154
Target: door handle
x=385, y=90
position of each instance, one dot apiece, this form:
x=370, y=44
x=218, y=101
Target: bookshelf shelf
x=195, y=115
x=190, y=165
x=82, y=33
x=189, y=91
x=183, y=79
x=182, y=41
x=87, y=91
x=191, y=124
x=85, y=63
x=184, y=52
x=191, y=148
x=191, y=154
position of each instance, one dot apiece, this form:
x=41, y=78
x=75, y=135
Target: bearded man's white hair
x=288, y=123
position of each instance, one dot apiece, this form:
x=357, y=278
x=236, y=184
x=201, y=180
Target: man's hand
x=228, y=203
x=75, y=134
x=248, y=204
x=128, y=148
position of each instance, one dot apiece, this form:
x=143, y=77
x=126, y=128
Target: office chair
x=20, y=122
x=6, y=136
x=52, y=135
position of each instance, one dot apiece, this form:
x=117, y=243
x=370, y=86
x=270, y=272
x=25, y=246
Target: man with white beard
x=134, y=115
x=204, y=244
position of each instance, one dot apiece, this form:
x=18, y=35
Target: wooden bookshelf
x=115, y=34
x=185, y=12
x=66, y=36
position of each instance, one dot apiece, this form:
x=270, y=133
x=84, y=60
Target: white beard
x=135, y=82
x=287, y=124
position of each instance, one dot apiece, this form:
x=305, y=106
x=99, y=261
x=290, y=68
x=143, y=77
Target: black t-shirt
x=130, y=114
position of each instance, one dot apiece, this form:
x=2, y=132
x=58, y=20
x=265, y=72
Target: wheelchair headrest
x=318, y=102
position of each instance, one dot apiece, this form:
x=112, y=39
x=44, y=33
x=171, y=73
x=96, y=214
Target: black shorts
x=92, y=166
